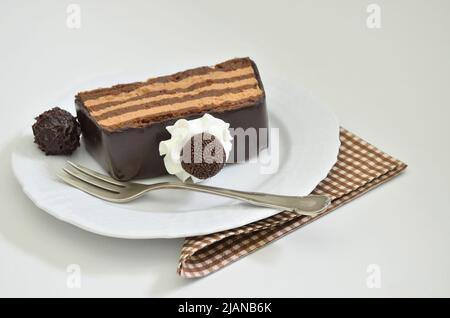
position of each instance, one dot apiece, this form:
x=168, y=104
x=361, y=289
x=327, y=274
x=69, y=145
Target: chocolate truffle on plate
x=57, y=132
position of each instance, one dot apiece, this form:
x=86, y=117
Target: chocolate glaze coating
x=133, y=153
x=57, y=132
x=203, y=156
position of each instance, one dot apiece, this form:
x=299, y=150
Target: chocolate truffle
x=203, y=156
x=57, y=132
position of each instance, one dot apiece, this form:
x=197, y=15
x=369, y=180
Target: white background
x=388, y=85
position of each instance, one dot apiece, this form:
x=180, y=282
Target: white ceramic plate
x=308, y=148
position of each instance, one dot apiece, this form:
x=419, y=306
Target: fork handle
x=307, y=205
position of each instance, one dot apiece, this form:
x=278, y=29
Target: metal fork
x=109, y=189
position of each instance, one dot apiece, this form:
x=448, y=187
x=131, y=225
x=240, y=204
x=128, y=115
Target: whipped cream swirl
x=182, y=131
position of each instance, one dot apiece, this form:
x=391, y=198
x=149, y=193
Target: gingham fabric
x=360, y=167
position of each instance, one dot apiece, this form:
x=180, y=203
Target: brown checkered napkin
x=360, y=167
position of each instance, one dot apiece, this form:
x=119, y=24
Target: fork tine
x=92, y=181
x=86, y=187
x=96, y=175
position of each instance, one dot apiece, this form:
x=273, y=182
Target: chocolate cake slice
x=123, y=125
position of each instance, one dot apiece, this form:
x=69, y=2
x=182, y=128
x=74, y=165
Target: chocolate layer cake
x=123, y=125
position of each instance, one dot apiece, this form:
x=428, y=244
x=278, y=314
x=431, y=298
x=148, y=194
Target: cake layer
x=226, y=86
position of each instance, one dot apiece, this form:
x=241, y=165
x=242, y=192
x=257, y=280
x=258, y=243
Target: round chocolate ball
x=57, y=132
x=203, y=156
